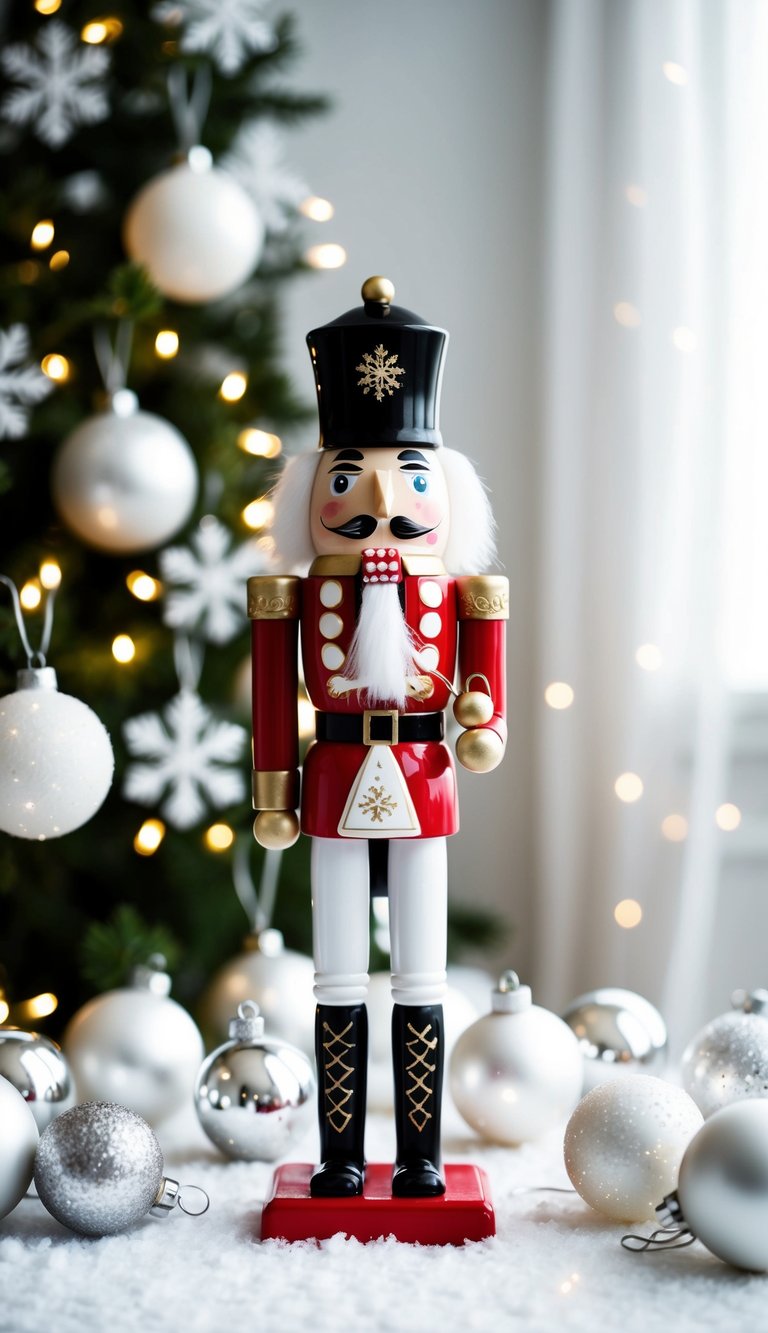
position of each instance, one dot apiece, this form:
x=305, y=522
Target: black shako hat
x=378, y=372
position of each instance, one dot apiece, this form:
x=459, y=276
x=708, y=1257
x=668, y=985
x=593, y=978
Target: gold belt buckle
x=391, y=713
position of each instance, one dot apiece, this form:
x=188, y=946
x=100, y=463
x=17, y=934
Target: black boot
x=341, y=1047
x=418, y=1049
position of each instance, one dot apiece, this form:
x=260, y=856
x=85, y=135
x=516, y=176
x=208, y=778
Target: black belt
x=383, y=726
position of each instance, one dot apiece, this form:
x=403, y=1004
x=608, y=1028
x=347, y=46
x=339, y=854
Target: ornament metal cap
x=752, y=1002
x=172, y=1195
x=509, y=997
x=152, y=976
x=36, y=678
x=248, y=1024
x=669, y=1213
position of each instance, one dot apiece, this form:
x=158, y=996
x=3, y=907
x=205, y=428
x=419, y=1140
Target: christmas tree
x=150, y=510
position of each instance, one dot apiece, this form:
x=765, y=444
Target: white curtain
x=657, y=111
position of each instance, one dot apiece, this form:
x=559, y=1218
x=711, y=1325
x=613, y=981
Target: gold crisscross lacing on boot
x=419, y=1093
x=336, y=1050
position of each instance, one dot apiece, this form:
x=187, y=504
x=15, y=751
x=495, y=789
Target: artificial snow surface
x=554, y=1264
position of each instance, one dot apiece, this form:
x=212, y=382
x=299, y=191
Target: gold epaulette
x=483, y=597
x=274, y=597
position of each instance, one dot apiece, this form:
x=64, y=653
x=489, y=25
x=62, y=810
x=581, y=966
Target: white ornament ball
x=137, y=1048
x=516, y=1072
x=458, y=1013
x=125, y=480
x=624, y=1144
x=722, y=1191
x=281, y=982
x=196, y=231
x=56, y=760
x=727, y=1061
x=18, y=1141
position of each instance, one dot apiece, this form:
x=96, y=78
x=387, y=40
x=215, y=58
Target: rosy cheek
x=431, y=538
x=331, y=509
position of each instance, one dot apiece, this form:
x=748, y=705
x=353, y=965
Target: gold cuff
x=276, y=791
x=483, y=597
x=273, y=597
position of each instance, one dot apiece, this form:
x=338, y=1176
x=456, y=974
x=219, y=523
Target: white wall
x=431, y=157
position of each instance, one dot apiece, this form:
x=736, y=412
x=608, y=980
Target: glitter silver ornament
x=618, y=1032
x=516, y=1072
x=727, y=1060
x=18, y=1141
x=278, y=979
x=722, y=1191
x=99, y=1169
x=255, y=1096
x=624, y=1144
x=36, y=1066
x=136, y=1046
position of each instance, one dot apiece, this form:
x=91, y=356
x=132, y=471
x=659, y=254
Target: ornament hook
x=34, y=659
x=671, y=1239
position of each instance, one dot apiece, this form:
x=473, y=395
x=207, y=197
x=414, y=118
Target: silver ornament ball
x=18, y=1141
x=727, y=1061
x=38, y=1070
x=722, y=1191
x=281, y=982
x=124, y=480
x=624, y=1144
x=98, y=1168
x=255, y=1095
x=516, y=1072
x=135, y=1046
x=618, y=1032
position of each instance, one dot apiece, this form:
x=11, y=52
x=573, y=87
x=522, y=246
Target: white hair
x=472, y=531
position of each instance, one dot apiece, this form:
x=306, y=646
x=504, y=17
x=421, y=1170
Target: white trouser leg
x=340, y=919
x=418, y=905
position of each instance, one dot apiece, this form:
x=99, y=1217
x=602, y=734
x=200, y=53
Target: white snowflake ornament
x=187, y=756
x=21, y=383
x=206, y=582
x=257, y=161
x=229, y=31
x=60, y=84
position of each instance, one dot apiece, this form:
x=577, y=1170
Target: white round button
x=427, y=658
x=330, y=593
x=430, y=625
x=332, y=656
x=331, y=625
x=431, y=594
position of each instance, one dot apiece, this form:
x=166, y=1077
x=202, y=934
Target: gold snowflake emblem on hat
x=380, y=372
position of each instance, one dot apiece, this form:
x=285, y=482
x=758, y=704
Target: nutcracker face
x=390, y=496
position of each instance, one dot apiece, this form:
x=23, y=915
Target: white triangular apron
x=379, y=804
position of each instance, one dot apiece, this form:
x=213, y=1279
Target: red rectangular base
x=463, y=1213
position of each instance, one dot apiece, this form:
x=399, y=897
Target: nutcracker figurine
x=390, y=525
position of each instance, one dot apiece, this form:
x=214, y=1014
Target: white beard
x=381, y=653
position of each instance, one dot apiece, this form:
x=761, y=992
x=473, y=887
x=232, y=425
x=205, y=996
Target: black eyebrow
x=344, y=467
x=348, y=455
x=417, y=465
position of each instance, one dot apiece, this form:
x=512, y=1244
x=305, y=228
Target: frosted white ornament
x=727, y=1060
x=517, y=1071
x=458, y=1013
x=195, y=229
x=135, y=1046
x=56, y=760
x=18, y=1141
x=624, y=1144
x=278, y=979
x=124, y=480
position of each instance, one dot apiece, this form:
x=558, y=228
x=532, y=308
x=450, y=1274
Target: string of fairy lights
x=559, y=695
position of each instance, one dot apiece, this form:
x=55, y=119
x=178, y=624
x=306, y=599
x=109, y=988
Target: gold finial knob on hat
x=378, y=289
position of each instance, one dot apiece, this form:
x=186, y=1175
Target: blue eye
x=342, y=483
x=420, y=484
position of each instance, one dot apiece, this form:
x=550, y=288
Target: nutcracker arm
x=483, y=609
x=274, y=606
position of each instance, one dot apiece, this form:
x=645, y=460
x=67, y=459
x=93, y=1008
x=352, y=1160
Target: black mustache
x=364, y=525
